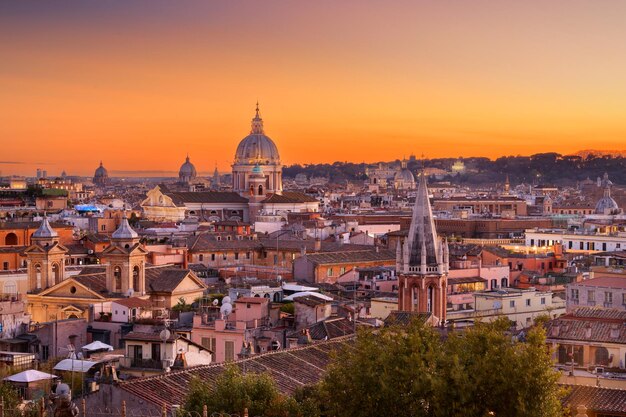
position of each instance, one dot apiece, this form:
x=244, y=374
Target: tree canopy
x=408, y=371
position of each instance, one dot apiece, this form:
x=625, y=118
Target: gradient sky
x=139, y=84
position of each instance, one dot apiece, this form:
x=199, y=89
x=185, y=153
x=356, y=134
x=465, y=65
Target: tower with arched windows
x=422, y=262
x=45, y=258
x=125, y=261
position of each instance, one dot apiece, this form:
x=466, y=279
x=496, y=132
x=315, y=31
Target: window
x=591, y=296
x=5, y=266
x=103, y=228
x=275, y=259
x=45, y=352
x=224, y=256
x=329, y=272
x=574, y=294
x=608, y=298
x=212, y=256
x=247, y=255
x=342, y=270
x=156, y=351
x=512, y=303
x=543, y=300
x=528, y=302
x=117, y=275
x=582, y=246
x=229, y=350
x=201, y=257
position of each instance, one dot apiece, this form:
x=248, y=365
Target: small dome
x=257, y=147
x=405, y=176
x=45, y=231
x=124, y=231
x=257, y=169
x=187, y=171
x=606, y=205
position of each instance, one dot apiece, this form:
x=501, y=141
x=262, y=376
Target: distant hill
x=585, y=153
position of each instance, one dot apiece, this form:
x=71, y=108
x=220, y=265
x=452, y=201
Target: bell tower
x=125, y=260
x=422, y=262
x=45, y=258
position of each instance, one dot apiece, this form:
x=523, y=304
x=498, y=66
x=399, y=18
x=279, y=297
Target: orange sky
x=139, y=84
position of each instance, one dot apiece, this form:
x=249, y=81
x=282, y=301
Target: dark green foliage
x=471, y=374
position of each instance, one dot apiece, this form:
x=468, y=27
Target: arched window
x=136, y=278
x=10, y=239
x=38, y=275
x=602, y=356
x=56, y=273
x=430, y=301
x=117, y=278
x=260, y=190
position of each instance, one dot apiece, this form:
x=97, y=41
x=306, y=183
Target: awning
x=30, y=376
x=305, y=293
x=75, y=365
x=97, y=345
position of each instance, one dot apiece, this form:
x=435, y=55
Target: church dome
x=257, y=146
x=101, y=176
x=101, y=172
x=405, y=177
x=187, y=171
x=606, y=205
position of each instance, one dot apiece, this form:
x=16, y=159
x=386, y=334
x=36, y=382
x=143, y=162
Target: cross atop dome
x=257, y=122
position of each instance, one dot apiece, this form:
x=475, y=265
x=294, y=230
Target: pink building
x=226, y=336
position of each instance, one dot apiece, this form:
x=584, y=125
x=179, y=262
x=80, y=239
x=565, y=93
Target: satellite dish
x=226, y=309
x=226, y=300
x=216, y=302
x=165, y=334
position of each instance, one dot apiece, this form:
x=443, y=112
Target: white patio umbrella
x=97, y=345
x=30, y=375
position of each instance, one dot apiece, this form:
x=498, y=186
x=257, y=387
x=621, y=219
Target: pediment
x=114, y=250
x=63, y=289
x=71, y=309
x=190, y=283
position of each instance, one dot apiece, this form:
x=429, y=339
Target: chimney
x=318, y=245
x=555, y=330
x=588, y=331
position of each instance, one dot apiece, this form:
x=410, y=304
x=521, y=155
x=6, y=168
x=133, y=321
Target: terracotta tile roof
x=290, y=369
x=95, y=282
x=351, y=256
x=165, y=279
x=134, y=302
x=605, y=282
x=596, y=399
x=205, y=197
x=587, y=329
x=328, y=329
x=310, y=300
x=403, y=318
x=600, y=313
x=289, y=197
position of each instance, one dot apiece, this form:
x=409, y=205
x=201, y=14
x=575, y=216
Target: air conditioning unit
x=598, y=370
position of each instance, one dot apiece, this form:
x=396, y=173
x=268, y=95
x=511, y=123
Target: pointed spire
x=422, y=240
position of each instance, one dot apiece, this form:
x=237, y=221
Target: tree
x=10, y=396
x=182, y=306
x=480, y=372
x=233, y=392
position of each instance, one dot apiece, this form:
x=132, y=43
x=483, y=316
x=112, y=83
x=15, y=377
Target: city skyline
x=145, y=84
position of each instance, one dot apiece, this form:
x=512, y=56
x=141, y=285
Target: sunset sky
x=139, y=84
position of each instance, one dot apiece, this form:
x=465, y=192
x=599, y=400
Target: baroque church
x=124, y=272
x=422, y=260
x=256, y=188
